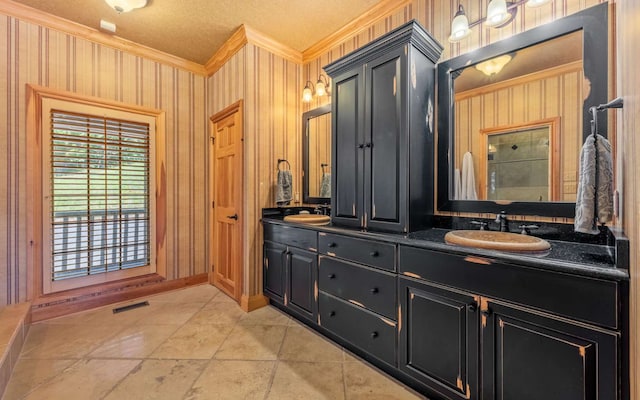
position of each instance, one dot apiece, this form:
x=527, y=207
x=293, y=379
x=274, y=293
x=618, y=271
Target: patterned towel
x=284, y=188
x=325, y=185
x=591, y=210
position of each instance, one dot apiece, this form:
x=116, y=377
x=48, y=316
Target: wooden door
x=227, y=200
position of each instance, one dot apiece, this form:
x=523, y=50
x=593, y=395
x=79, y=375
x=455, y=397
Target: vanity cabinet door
x=301, y=277
x=348, y=148
x=274, y=265
x=532, y=356
x=385, y=180
x=438, y=338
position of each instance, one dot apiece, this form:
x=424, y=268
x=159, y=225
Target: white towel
x=586, y=220
x=468, y=181
x=457, y=185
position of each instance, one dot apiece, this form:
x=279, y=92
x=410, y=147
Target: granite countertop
x=586, y=259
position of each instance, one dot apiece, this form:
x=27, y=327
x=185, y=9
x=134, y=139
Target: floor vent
x=130, y=307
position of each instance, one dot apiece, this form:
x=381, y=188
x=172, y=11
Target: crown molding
x=29, y=14
x=370, y=17
x=247, y=35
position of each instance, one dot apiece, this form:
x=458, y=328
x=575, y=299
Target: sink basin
x=504, y=241
x=310, y=219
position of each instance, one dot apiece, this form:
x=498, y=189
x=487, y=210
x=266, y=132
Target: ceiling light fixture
x=126, y=5
x=499, y=14
x=320, y=89
x=494, y=65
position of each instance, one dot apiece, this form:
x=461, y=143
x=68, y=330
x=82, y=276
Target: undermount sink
x=504, y=241
x=310, y=219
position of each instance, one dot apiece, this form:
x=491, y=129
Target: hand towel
x=325, y=185
x=457, y=185
x=591, y=210
x=468, y=181
x=284, y=188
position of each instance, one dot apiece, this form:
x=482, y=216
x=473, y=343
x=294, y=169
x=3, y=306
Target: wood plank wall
x=35, y=54
x=270, y=87
x=628, y=158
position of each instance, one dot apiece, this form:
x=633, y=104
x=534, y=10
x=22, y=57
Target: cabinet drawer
x=291, y=236
x=375, y=290
x=587, y=299
x=368, y=331
x=370, y=252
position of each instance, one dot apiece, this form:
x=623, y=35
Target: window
x=98, y=207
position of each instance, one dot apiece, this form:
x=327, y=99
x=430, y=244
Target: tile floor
x=190, y=344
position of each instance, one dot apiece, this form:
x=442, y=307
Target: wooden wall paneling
x=628, y=86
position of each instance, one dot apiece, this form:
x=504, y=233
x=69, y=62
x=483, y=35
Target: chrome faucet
x=503, y=221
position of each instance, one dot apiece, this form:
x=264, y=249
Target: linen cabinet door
x=439, y=338
x=347, y=148
x=386, y=138
x=532, y=356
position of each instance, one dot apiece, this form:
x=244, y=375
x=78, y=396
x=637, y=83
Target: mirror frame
x=594, y=23
x=316, y=112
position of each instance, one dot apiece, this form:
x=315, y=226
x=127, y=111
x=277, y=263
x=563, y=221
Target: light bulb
x=497, y=12
x=126, y=5
x=307, y=94
x=320, y=88
x=536, y=3
x=459, y=26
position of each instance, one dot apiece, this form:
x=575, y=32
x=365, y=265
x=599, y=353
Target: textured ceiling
x=195, y=29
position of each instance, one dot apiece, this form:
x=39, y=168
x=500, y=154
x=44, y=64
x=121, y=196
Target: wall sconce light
x=494, y=65
x=499, y=14
x=320, y=89
x=126, y=5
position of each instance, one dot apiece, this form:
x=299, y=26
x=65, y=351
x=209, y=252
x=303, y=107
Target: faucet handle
x=526, y=228
x=501, y=216
x=484, y=226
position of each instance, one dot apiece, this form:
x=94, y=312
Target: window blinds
x=100, y=194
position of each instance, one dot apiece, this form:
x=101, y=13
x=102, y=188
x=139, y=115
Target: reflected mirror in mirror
x=519, y=108
x=316, y=125
x=514, y=97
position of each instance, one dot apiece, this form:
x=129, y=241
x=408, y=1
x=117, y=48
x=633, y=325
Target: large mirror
x=316, y=155
x=512, y=117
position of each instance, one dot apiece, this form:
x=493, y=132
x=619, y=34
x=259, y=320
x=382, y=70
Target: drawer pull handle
x=331, y=276
x=374, y=253
x=374, y=290
x=332, y=244
x=332, y=313
x=374, y=335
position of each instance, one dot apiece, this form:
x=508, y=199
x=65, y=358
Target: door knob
x=234, y=216
x=374, y=335
x=331, y=276
x=374, y=290
x=374, y=254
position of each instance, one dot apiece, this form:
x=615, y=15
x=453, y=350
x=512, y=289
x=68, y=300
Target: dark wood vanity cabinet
x=382, y=132
x=290, y=273
x=439, y=338
x=528, y=333
x=529, y=355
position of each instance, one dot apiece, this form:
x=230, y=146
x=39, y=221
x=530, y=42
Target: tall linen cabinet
x=383, y=132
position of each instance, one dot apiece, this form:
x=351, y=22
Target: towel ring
x=282, y=160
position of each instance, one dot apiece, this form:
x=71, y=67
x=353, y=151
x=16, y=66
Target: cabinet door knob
x=361, y=146
x=369, y=145
x=374, y=253
x=374, y=290
x=472, y=307
x=374, y=335
x=332, y=244
x=486, y=312
x=332, y=313
x=331, y=276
